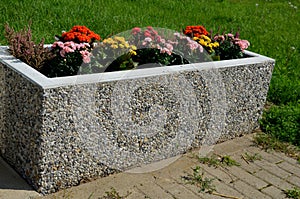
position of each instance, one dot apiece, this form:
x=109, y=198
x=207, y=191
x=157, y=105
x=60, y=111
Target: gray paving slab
x=273, y=192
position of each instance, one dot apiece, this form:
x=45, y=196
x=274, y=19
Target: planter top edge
x=46, y=83
x=20, y=67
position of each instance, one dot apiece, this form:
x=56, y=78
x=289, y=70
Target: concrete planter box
x=58, y=132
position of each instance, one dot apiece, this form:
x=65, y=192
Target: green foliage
x=285, y=84
x=283, y=122
x=269, y=142
x=198, y=179
x=69, y=66
x=228, y=48
x=228, y=161
x=209, y=161
x=151, y=55
x=285, y=88
x=232, y=51
x=217, y=161
x=293, y=193
x=113, y=194
x=251, y=157
x=124, y=62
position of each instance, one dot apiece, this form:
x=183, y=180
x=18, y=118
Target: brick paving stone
x=200, y=193
x=220, y=186
x=273, y=168
x=274, y=192
x=205, y=151
x=244, y=141
x=269, y=156
x=249, y=167
x=196, y=191
x=175, y=189
x=227, y=190
x=152, y=190
x=219, y=173
x=285, y=158
x=295, y=180
x=18, y=194
x=249, y=191
x=134, y=194
x=227, y=147
x=287, y=166
x=177, y=168
x=247, y=177
x=273, y=180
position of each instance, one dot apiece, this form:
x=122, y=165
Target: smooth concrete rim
x=44, y=82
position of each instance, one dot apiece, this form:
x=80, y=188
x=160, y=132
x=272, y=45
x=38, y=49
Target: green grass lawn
x=271, y=26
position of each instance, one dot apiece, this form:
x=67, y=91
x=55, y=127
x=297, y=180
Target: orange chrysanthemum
x=80, y=34
x=195, y=31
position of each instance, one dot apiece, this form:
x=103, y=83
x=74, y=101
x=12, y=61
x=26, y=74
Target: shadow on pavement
x=10, y=179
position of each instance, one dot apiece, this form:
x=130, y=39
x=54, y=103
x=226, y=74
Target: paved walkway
x=264, y=178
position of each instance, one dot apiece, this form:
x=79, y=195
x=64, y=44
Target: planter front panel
x=59, y=136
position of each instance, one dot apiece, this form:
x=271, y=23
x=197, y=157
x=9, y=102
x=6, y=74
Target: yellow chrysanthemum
x=210, y=47
x=108, y=41
x=216, y=44
x=206, y=38
x=126, y=45
x=133, y=47
x=132, y=52
x=202, y=42
x=120, y=39
x=114, y=46
x=121, y=45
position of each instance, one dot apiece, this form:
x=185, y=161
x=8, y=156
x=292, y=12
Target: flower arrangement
x=219, y=46
x=230, y=46
x=81, y=51
x=114, y=53
x=71, y=50
x=168, y=49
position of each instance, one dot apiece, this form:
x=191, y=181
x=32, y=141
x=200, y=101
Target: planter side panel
x=246, y=92
x=21, y=122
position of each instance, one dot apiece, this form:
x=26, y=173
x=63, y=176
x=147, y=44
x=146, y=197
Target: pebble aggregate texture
x=60, y=136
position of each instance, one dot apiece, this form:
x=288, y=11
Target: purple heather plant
x=24, y=48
